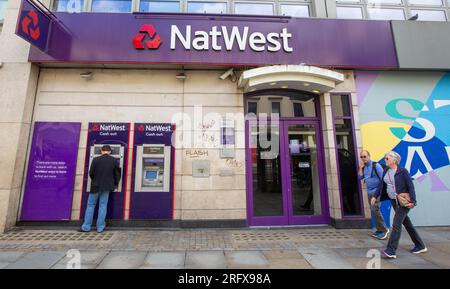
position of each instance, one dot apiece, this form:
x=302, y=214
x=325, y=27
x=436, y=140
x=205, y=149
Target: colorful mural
x=409, y=112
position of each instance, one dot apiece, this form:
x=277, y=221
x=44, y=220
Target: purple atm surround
x=152, y=205
x=107, y=133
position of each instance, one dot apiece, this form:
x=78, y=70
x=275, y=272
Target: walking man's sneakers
x=381, y=235
x=389, y=254
x=418, y=250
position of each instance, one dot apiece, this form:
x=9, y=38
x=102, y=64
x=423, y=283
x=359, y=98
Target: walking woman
x=398, y=185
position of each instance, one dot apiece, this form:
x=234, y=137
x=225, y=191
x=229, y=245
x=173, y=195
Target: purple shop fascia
x=211, y=39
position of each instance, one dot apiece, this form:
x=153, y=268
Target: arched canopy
x=301, y=77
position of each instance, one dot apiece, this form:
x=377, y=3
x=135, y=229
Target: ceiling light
x=181, y=76
x=86, y=75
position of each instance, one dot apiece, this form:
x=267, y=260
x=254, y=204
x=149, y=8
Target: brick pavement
x=300, y=248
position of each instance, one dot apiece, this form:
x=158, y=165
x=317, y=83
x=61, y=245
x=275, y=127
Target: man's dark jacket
x=105, y=174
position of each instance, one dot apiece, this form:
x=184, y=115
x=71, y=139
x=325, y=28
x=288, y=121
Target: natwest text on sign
x=218, y=39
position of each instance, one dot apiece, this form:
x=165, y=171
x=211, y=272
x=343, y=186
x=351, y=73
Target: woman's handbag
x=403, y=199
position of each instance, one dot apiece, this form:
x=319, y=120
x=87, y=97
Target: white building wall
x=119, y=95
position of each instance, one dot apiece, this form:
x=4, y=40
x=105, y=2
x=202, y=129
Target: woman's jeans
x=401, y=217
x=102, y=208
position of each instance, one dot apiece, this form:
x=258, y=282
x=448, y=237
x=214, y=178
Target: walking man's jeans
x=102, y=208
x=377, y=216
x=401, y=217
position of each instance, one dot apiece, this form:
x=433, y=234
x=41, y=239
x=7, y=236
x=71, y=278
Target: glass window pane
x=349, y=13
x=266, y=170
x=3, y=4
x=276, y=107
x=385, y=1
x=386, y=14
x=295, y=10
x=207, y=7
x=425, y=2
x=429, y=15
x=298, y=110
x=304, y=166
x=351, y=201
x=253, y=9
x=340, y=105
x=253, y=107
x=159, y=6
x=68, y=5
x=123, y=6
x=288, y=104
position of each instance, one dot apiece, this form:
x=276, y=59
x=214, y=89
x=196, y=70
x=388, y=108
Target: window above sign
x=111, y=6
x=3, y=4
x=159, y=6
x=426, y=10
x=207, y=7
x=293, y=8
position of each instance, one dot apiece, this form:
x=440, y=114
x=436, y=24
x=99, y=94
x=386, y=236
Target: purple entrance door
x=285, y=175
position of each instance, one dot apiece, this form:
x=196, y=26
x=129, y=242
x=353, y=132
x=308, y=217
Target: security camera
x=227, y=73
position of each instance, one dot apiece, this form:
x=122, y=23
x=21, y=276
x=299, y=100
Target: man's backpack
x=374, y=169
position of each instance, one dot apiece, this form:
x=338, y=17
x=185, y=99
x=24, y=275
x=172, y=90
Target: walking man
x=105, y=176
x=370, y=172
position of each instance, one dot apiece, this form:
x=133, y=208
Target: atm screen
x=151, y=175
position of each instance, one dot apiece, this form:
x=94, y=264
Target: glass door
x=304, y=173
x=285, y=174
x=266, y=200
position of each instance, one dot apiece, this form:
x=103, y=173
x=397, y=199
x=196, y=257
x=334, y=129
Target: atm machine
x=117, y=151
x=152, y=168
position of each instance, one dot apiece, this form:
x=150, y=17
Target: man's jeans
x=377, y=216
x=401, y=217
x=102, y=208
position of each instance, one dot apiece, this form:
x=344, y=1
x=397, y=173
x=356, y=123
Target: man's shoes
x=389, y=254
x=380, y=235
x=82, y=231
x=418, y=250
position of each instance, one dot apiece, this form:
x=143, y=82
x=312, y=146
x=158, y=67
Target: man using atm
x=105, y=176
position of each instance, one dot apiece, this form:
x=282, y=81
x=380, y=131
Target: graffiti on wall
x=409, y=112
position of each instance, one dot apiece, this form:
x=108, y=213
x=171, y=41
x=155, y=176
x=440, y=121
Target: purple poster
x=153, y=172
x=117, y=136
x=51, y=172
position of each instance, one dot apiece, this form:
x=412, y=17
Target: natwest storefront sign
x=33, y=24
x=221, y=40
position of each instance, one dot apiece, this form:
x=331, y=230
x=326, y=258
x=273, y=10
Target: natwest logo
x=158, y=128
x=217, y=39
x=153, y=43
x=31, y=18
x=108, y=127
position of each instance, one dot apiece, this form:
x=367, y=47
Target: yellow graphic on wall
x=378, y=139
